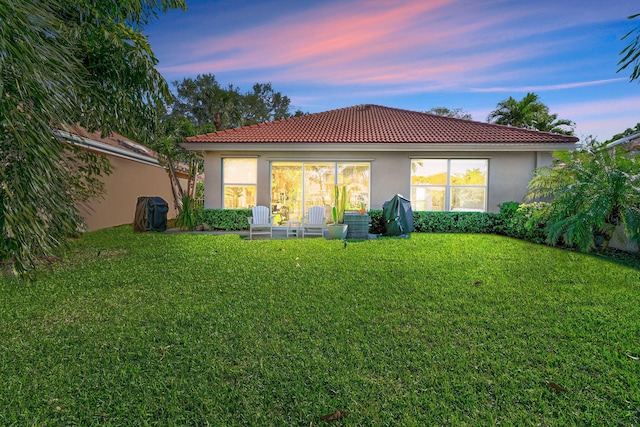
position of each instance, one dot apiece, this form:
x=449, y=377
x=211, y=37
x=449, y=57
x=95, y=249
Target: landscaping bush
x=454, y=222
x=524, y=221
x=442, y=222
x=376, y=223
x=226, y=219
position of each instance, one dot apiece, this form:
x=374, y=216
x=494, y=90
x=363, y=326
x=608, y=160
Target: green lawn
x=182, y=329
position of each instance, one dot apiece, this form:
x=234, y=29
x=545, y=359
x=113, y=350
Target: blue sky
x=468, y=54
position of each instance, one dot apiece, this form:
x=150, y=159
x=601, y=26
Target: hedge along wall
x=226, y=219
x=522, y=221
x=424, y=222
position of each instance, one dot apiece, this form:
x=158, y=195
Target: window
x=449, y=184
x=296, y=186
x=239, y=178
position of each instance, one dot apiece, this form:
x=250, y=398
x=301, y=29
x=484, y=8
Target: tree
x=62, y=62
x=593, y=190
x=517, y=113
x=264, y=104
x=529, y=113
x=206, y=102
x=631, y=53
x=457, y=113
x=546, y=122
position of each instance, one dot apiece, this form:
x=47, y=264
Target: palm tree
x=551, y=123
x=529, y=113
x=631, y=53
x=520, y=114
x=594, y=191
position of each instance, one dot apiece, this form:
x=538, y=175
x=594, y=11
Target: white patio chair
x=314, y=223
x=261, y=222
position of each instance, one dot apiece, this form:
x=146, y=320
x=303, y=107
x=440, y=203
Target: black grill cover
x=151, y=214
x=397, y=216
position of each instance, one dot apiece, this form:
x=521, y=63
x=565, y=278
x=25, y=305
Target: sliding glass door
x=296, y=186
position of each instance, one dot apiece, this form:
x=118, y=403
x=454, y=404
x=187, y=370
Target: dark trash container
x=397, y=216
x=151, y=214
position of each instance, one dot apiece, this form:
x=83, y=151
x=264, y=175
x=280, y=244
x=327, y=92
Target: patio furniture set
x=313, y=224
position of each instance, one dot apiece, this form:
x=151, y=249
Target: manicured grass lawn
x=161, y=329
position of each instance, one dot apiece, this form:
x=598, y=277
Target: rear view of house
x=439, y=163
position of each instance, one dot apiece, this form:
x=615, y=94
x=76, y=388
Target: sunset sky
x=468, y=54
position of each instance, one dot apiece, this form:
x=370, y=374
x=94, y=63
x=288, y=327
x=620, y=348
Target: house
x=439, y=163
x=136, y=171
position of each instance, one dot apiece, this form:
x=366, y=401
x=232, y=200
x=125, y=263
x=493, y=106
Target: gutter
x=103, y=148
x=624, y=140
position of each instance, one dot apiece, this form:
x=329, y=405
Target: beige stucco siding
x=509, y=172
x=213, y=180
x=129, y=180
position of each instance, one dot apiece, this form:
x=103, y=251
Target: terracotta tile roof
x=378, y=124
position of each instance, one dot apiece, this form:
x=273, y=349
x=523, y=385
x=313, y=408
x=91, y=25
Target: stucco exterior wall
x=128, y=181
x=509, y=172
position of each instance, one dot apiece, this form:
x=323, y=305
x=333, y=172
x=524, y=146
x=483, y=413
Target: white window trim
x=448, y=187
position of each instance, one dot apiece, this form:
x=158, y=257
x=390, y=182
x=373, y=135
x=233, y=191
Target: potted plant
x=362, y=209
x=338, y=230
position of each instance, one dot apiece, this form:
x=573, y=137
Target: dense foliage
x=594, y=190
x=211, y=107
x=226, y=219
x=454, y=222
x=523, y=221
x=84, y=62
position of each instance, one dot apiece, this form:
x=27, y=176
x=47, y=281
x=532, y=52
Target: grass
x=183, y=329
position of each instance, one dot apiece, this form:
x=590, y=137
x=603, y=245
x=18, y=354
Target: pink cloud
x=407, y=45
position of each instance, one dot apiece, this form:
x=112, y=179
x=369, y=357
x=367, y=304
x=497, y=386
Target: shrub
x=226, y=219
x=376, y=223
x=454, y=222
x=524, y=221
x=441, y=222
x=594, y=191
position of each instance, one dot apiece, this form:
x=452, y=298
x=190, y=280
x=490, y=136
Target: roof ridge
x=373, y=123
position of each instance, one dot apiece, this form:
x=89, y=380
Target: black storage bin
x=151, y=214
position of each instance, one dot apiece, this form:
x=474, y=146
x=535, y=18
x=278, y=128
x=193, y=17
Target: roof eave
x=323, y=147
x=103, y=148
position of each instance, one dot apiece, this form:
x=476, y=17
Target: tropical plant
x=546, y=122
x=529, y=113
x=594, y=190
x=62, y=62
x=339, y=204
x=631, y=53
x=187, y=218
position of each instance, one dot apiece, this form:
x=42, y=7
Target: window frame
x=449, y=186
x=338, y=178
x=226, y=184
